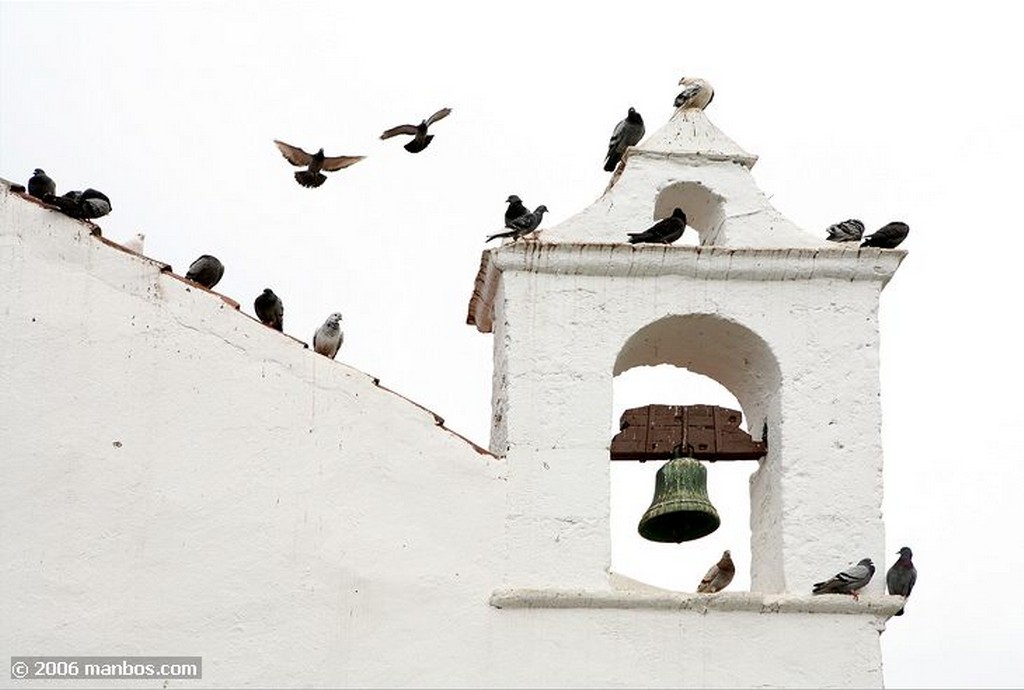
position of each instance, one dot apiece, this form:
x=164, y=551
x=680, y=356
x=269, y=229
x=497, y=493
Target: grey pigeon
x=515, y=210
x=206, y=270
x=328, y=338
x=627, y=133
x=270, y=309
x=719, y=576
x=665, y=231
x=902, y=575
x=40, y=185
x=82, y=205
x=696, y=93
x=420, y=139
x=888, y=236
x=848, y=231
x=314, y=163
x=523, y=224
x=849, y=581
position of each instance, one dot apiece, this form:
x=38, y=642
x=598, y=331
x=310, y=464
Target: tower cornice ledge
x=707, y=263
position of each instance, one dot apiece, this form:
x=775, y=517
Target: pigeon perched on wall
x=849, y=581
x=206, y=270
x=696, y=93
x=627, y=133
x=40, y=185
x=328, y=338
x=665, y=231
x=848, y=231
x=135, y=243
x=888, y=236
x=420, y=139
x=523, y=224
x=515, y=210
x=902, y=575
x=314, y=163
x=82, y=205
x=270, y=309
x=719, y=576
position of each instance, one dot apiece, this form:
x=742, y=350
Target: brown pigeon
x=314, y=163
x=419, y=132
x=719, y=576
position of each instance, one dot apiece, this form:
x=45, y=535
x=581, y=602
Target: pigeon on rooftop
x=849, y=581
x=40, y=185
x=82, y=205
x=719, y=576
x=888, y=236
x=206, y=270
x=135, y=243
x=848, y=231
x=665, y=231
x=328, y=338
x=515, y=210
x=420, y=139
x=523, y=224
x=627, y=133
x=314, y=163
x=270, y=309
x=902, y=575
x=696, y=93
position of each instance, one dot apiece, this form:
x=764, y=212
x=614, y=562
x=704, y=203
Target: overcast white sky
x=880, y=111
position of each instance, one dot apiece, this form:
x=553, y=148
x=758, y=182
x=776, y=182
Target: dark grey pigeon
x=420, y=139
x=627, y=133
x=270, y=309
x=314, y=163
x=515, y=210
x=665, y=231
x=523, y=224
x=888, y=236
x=850, y=581
x=40, y=185
x=848, y=231
x=206, y=270
x=902, y=575
x=82, y=205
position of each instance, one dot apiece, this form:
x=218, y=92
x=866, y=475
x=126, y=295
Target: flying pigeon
x=270, y=309
x=849, y=581
x=515, y=210
x=82, y=205
x=207, y=271
x=665, y=231
x=135, y=242
x=696, y=93
x=627, y=133
x=719, y=576
x=848, y=231
x=314, y=162
x=419, y=132
x=328, y=338
x=902, y=575
x=40, y=185
x=523, y=224
x=888, y=236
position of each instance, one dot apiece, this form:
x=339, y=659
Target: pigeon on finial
x=419, y=132
x=135, y=242
x=40, y=185
x=206, y=270
x=888, y=236
x=719, y=576
x=82, y=205
x=515, y=210
x=523, y=224
x=849, y=581
x=902, y=575
x=665, y=231
x=627, y=133
x=848, y=231
x=328, y=338
x=696, y=93
x=314, y=162
x=270, y=309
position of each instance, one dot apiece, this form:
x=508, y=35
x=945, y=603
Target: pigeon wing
x=439, y=115
x=294, y=154
x=333, y=163
x=400, y=129
x=687, y=94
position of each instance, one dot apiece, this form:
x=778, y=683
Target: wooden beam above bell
x=704, y=432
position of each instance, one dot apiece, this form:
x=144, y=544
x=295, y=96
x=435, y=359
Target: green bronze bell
x=680, y=510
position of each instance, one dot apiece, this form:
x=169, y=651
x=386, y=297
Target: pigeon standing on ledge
x=206, y=270
x=696, y=93
x=523, y=224
x=328, y=338
x=40, y=185
x=515, y=210
x=270, y=309
x=849, y=581
x=627, y=133
x=902, y=575
x=888, y=236
x=719, y=576
x=419, y=132
x=314, y=162
x=665, y=231
x=848, y=231
x=135, y=243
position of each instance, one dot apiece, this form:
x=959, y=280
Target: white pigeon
x=328, y=338
x=696, y=93
x=135, y=242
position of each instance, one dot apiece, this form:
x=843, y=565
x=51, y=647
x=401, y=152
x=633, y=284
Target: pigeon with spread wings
x=314, y=163
x=419, y=134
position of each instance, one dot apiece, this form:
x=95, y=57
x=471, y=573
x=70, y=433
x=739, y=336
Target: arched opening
x=703, y=208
